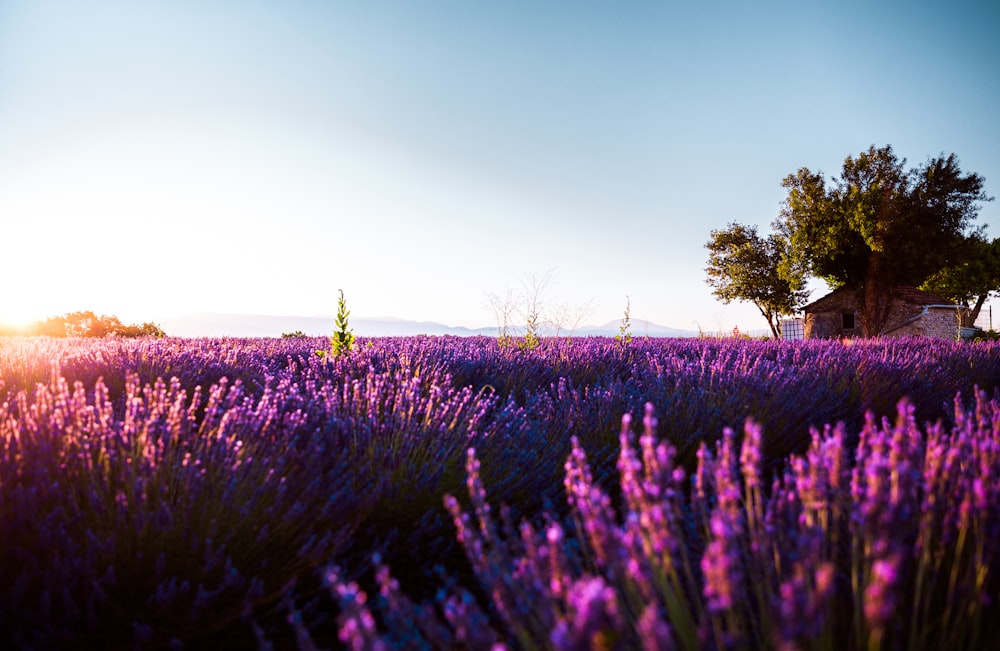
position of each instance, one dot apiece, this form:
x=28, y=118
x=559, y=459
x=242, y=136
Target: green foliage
x=298, y=334
x=531, y=297
x=624, y=336
x=879, y=226
x=534, y=292
x=986, y=335
x=342, y=341
x=146, y=329
x=744, y=266
x=88, y=324
x=531, y=340
x=972, y=280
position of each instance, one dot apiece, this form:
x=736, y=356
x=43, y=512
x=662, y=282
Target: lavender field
x=439, y=492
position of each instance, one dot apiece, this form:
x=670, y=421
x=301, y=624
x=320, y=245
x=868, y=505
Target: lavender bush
x=890, y=546
x=190, y=493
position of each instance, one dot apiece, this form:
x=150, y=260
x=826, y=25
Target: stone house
x=913, y=312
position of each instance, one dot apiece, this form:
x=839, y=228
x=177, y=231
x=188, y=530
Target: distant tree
x=529, y=304
x=298, y=334
x=88, y=324
x=503, y=307
x=54, y=326
x=568, y=318
x=78, y=324
x=743, y=266
x=147, y=329
x=535, y=288
x=879, y=226
x=972, y=280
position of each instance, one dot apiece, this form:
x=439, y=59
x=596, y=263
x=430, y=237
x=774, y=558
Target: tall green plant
x=534, y=292
x=531, y=339
x=342, y=341
x=624, y=336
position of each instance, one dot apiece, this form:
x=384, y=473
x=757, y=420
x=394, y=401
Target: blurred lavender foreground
x=246, y=493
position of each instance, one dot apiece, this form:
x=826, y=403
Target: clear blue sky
x=162, y=158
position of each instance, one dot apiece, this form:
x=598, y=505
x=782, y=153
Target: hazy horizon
x=207, y=324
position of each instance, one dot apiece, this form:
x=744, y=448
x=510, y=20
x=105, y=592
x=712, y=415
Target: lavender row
x=874, y=372
x=893, y=544
x=701, y=385
x=159, y=490
x=177, y=512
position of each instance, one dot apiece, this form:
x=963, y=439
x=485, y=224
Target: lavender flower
x=203, y=478
x=722, y=565
x=592, y=620
x=880, y=600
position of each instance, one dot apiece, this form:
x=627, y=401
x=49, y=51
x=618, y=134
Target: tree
x=566, y=317
x=88, y=324
x=972, y=281
x=528, y=304
x=146, y=329
x=743, y=266
x=503, y=307
x=533, y=296
x=879, y=226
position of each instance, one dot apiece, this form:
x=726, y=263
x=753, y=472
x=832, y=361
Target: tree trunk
x=875, y=301
x=877, y=297
x=772, y=321
x=774, y=329
x=970, y=320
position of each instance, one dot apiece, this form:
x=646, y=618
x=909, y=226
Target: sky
x=162, y=158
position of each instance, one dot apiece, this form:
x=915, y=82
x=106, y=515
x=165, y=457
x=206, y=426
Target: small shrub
x=624, y=336
x=342, y=341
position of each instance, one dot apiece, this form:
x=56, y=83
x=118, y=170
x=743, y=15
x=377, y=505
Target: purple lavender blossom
x=593, y=617
x=202, y=478
x=879, y=597
x=721, y=565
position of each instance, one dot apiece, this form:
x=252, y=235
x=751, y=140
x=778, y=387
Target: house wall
x=938, y=322
x=828, y=323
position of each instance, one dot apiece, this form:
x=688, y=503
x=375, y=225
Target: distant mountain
x=638, y=328
x=206, y=324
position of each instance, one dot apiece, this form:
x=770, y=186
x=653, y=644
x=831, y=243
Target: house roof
x=818, y=304
x=919, y=297
x=903, y=293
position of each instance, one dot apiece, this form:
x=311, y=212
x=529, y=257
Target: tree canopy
x=879, y=226
x=88, y=324
x=744, y=266
x=972, y=280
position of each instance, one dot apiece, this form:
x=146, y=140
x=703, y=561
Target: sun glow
x=14, y=316
x=25, y=304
